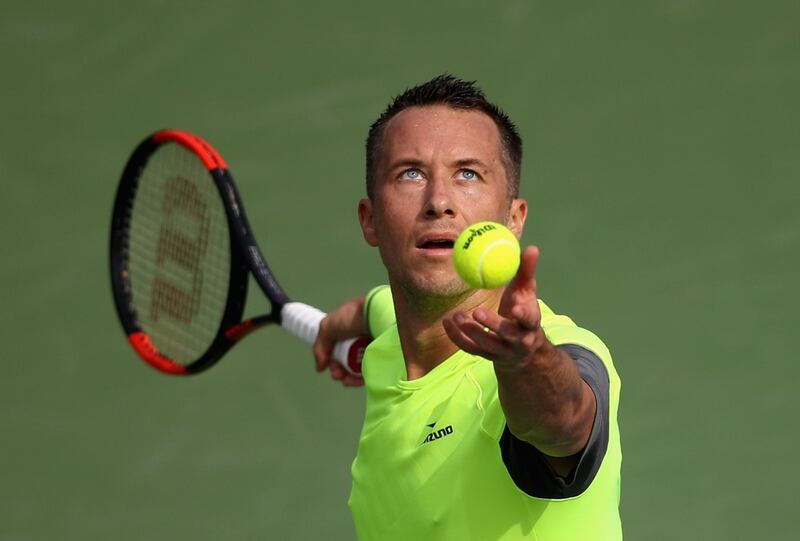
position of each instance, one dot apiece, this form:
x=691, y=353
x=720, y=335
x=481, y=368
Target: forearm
x=545, y=401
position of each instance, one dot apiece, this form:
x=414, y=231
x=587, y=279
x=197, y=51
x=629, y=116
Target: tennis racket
x=181, y=255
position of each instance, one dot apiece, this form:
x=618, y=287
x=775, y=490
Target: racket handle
x=303, y=321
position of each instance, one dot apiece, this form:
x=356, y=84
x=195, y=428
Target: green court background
x=661, y=167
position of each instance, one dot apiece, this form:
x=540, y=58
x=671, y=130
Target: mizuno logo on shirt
x=441, y=433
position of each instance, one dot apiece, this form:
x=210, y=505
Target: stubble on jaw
x=430, y=296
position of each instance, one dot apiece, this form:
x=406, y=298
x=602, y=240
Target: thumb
x=323, y=348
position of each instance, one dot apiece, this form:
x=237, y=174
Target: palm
x=508, y=335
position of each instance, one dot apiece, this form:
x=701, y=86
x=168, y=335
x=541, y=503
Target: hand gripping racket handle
x=303, y=321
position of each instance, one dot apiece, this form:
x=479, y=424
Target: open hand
x=510, y=336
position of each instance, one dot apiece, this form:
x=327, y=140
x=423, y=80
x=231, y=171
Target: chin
x=435, y=286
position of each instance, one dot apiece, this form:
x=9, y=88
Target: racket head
x=178, y=274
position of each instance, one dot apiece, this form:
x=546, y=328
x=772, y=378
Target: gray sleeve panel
x=529, y=468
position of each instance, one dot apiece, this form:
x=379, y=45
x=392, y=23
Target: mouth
x=436, y=243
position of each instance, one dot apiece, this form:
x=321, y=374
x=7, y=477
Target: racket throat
x=239, y=331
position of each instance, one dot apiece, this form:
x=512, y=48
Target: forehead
x=439, y=130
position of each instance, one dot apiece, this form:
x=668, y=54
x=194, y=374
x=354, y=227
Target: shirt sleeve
x=529, y=467
x=379, y=310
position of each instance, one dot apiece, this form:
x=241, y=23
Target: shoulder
x=379, y=310
x=562, y=331
x=383, y=364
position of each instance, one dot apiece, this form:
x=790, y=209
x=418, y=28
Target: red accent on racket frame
x=237, y=332
x=210, y=157
x=144, y=347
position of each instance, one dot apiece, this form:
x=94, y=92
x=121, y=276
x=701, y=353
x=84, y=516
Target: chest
x=427, y=458
x=420, y=435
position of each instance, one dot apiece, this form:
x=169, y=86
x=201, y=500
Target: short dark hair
x=457, y=93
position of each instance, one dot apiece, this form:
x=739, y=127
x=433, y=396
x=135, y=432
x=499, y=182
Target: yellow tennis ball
x=486, y=255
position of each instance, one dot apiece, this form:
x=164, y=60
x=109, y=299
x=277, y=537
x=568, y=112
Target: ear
x=517, y=215
x=365, y=218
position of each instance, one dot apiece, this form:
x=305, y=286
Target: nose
x=439, y=201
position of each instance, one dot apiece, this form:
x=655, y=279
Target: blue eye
x=468, y=174
x=411, y=174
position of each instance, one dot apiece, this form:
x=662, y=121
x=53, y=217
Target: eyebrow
x=471, y=162
x=464, y=162
x=405, y=162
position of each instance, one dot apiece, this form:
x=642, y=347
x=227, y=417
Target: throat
x=422, y=360
x=419, y=323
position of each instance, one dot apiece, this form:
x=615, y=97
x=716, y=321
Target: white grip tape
x=303, y=321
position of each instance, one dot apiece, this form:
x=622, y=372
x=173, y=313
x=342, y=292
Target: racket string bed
x=179, y=253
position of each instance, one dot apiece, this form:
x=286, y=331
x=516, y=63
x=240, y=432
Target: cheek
x=390, y=224
x=477, y=204
x=399, y=209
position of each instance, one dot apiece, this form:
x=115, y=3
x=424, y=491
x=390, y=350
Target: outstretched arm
x=545, y=401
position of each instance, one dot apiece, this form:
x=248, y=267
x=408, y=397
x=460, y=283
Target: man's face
x=440, y=170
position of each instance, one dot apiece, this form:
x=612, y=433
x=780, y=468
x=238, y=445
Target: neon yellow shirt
x=429, y=463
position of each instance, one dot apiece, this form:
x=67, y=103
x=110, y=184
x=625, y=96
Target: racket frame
x=246, y=258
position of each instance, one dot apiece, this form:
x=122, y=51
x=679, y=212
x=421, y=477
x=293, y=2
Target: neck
x=419, y=323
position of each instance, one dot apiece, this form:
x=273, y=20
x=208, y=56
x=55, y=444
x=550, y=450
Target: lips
x=436, y=241
x=432, y=244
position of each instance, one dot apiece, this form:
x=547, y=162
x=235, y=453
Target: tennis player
x=488, y=416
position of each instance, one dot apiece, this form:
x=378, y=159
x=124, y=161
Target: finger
x=526, y=274
x=519, y=301
x=337, y=371
x=323, y=346
x=527, y=315
x=459, y=338
x=351, y=380
x=486, y=343
x=489, y=343
x=322, y=354
x=507, y=329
